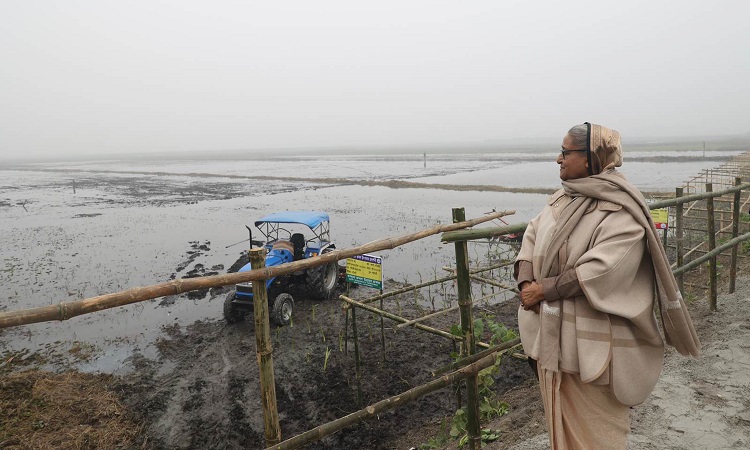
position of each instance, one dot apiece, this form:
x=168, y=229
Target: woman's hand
x=531, y=295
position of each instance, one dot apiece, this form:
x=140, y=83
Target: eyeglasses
x=565, y=153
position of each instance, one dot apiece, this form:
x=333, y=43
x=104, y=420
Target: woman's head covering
x=605, y=148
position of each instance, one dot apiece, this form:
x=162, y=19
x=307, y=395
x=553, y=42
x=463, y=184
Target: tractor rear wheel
x=232, y=314
x=321, y=281
x=281, y=312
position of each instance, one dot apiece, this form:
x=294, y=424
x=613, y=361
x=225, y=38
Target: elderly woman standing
x=591, y=271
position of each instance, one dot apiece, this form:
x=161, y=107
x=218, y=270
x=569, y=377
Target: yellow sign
x=661, y=218
x=365, y=270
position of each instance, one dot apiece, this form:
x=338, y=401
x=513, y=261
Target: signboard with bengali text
x=661, y=218
x=365, y=270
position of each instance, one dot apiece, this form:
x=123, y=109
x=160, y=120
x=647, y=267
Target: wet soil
x=203, y=391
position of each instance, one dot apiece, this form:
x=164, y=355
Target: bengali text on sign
x=661, y=218
x=365, y=270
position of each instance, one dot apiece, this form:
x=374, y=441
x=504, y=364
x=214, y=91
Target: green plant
x=458, y=430
x=439, y=440
x=499, y=333
x=325, y=361
x=490, y=405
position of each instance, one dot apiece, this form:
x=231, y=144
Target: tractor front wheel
x=281, y=312
x=232, y=314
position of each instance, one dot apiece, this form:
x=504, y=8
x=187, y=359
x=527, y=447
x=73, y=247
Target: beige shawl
x=601, y=227
x=611, y=187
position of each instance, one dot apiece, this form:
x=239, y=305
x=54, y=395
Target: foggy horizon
x=102, y=79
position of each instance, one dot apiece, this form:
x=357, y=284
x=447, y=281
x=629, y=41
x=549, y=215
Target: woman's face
x=572, y=160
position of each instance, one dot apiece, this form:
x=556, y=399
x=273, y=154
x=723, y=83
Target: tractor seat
x=283, y=245
x=298, y=240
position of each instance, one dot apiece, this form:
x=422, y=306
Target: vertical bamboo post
x=467, y=330
x=382, y=328
x=264, y=352
x=457, y=386
x=679, y=238
x=356, y=353
x=346, y=324
x=735, y=233
x=711, y=245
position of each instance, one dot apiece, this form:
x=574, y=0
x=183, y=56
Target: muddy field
x=187, y=378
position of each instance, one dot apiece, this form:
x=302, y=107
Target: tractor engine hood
x=274, y=257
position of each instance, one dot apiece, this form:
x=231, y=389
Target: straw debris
x=71, y=410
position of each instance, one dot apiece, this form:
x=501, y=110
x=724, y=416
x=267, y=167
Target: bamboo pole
x=356, y=356
x=264, y=352
x=428, y=316
x=482, y=233
x=426, y=283
x=346, y=330
x=698, y=261
x=68, y=310
x=396, y=318
x=467, y=332
x=679, y=238
x=382, y=329
x=703, y=196
x=481, y=269
x=735, y=233
x=404, y=290
x=711, y=246
x=476, y=356
x=728, y=255
x=444, y=311
x=456, y=385
x=382, y=406
x=494, y=283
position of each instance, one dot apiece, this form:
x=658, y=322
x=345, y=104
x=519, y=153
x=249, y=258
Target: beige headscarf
x=605, y=147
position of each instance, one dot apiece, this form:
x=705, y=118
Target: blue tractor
x=284, y=244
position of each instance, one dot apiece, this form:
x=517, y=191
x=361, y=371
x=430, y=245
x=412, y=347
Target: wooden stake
x=467, y=331
x=428, y=316
x=735, y=233
x=356, y=355
x=264, y=352
x=396, y=318
x=382, y=328
x=711, y=246
x=476, y=356
x=679, y=238
x=712, y=254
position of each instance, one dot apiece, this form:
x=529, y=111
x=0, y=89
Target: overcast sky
x=130, y=76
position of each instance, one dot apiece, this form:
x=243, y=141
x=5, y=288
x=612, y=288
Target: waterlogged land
x=191, y=378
